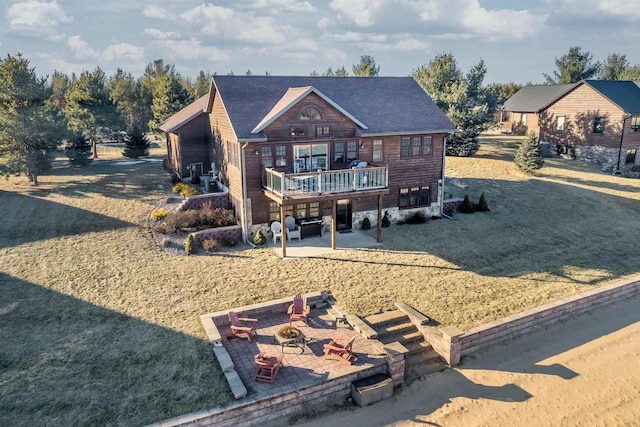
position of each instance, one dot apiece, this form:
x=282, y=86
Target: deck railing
x=326, y=182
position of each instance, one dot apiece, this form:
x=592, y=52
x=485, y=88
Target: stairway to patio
x=395, y=326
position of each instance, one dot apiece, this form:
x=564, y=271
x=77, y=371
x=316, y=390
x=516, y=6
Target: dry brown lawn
x=100, y=326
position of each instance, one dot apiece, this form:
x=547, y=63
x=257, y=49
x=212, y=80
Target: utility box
x=372, y=389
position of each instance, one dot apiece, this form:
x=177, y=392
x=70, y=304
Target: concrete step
x=417, y=347
x=404, y=338
x=395, y=329
x=391, y=317
x=424, y=363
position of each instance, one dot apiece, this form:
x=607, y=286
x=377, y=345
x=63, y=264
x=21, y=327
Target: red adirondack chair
x=299, y=310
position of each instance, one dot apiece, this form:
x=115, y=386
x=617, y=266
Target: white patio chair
x=276, y=230
x=293, y=229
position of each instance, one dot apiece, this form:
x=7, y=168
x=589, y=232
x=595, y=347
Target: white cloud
x=161, y=35
x=410, y=44
x=157, y=12
x=123, y=52
x=232, y=25
x=278, y=6
x=37, y=19
x=626, y=9
x=191, y=49
x=81, y=49
x=361, y=12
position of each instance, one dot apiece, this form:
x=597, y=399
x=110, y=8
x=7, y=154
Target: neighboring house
x=597, y=120
x=287, y=146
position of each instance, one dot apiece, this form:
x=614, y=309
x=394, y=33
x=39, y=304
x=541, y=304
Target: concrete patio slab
x=321, y=245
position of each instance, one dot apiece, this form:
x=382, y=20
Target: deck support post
x=283, y=238
x=334, y=227
x=379, y=231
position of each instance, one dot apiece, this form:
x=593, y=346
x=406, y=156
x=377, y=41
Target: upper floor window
x=635, y=124
x=281, y=155
x=323, y=131
x=310, y=113
x=416, y=146
x=598, y=124
x=345, y=151
x=523, y=119
x=560, y=123
x=266, y=156
x=297, y=132
x=377, y=150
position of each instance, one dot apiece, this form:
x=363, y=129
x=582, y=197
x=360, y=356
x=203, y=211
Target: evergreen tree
x=366, y=68
x=341, y=72
x=613, y=67
x=30, y=126
x=78, y=150
x=88, y=106
x=573, y=67
x=201, y=86
x=137, y=145
x=528, y=157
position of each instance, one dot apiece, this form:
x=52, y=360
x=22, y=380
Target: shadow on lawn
x=64, y=361
x=29, y=219
x=534, y=226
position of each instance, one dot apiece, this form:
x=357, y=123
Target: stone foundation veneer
x=607, y=158
x=395, y=215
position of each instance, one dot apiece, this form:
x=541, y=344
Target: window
x=635, y=124
x=416, y=146
x=345, y=151
x=297, y=132
x=281, y=155
x=310, y=157
x=377, y=150
x=310, y=113
x=405, y=147
x=631, y=156
x=322, y=131
x=274, y=212
x=266, y=155
x=523, y=119
x=232, y=153
x=414, y=196
x=598, y=124
x=560, y=123
x=314, y=210
x=301, y=210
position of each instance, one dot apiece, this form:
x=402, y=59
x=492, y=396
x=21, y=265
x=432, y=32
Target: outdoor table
x=297, y=341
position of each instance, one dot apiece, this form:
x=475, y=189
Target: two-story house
x=315, y=148
x=597, y=120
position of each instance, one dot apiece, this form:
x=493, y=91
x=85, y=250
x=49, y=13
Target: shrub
x=482, y=205
x=159, y=228
x=190, y=245
x=259, y=239
x=385, y=221
x=137, y=145
x=463, y=143
x=158, y=214
x=417, y=218
x=467, y=206
x=185, y=190
x=210, y=245
x=366, y=224
x=528, y=157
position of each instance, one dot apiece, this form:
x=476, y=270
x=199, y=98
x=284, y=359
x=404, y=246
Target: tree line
x=41, y=114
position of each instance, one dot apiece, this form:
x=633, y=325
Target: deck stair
x=395, y=326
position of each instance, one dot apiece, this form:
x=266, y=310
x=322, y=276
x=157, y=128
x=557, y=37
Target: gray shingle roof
x=625, y=94
x=386, y=105
x=535, y=98
x=185, y=115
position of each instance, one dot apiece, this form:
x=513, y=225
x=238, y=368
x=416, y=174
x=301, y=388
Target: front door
x=343, y=215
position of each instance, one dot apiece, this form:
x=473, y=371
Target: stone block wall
x=218, y=200
x=606, y=157
x=547, y=314
x=224, y=235
x=395, y=215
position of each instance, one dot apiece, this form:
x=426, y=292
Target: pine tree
x=78, y=150
x=528, y=157
x=137, y=145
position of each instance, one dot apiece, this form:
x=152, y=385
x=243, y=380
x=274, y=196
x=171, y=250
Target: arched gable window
x=310, y=113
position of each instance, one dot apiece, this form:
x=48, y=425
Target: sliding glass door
x=310, y=157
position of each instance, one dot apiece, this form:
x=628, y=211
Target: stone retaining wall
x=217, y=200
x=230, y=235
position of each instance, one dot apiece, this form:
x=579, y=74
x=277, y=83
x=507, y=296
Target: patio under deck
x=321, y=245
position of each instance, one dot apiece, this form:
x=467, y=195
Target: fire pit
x=290, y=336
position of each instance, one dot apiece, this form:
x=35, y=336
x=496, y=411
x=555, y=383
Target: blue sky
x=518, y=40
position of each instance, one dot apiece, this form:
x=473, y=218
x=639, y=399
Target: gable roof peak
x=291, y=97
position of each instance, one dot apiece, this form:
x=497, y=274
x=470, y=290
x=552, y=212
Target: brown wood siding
x=531, y=125
x=631, y=139
x=341, y=126
x=580, y=107
x=193, y=144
